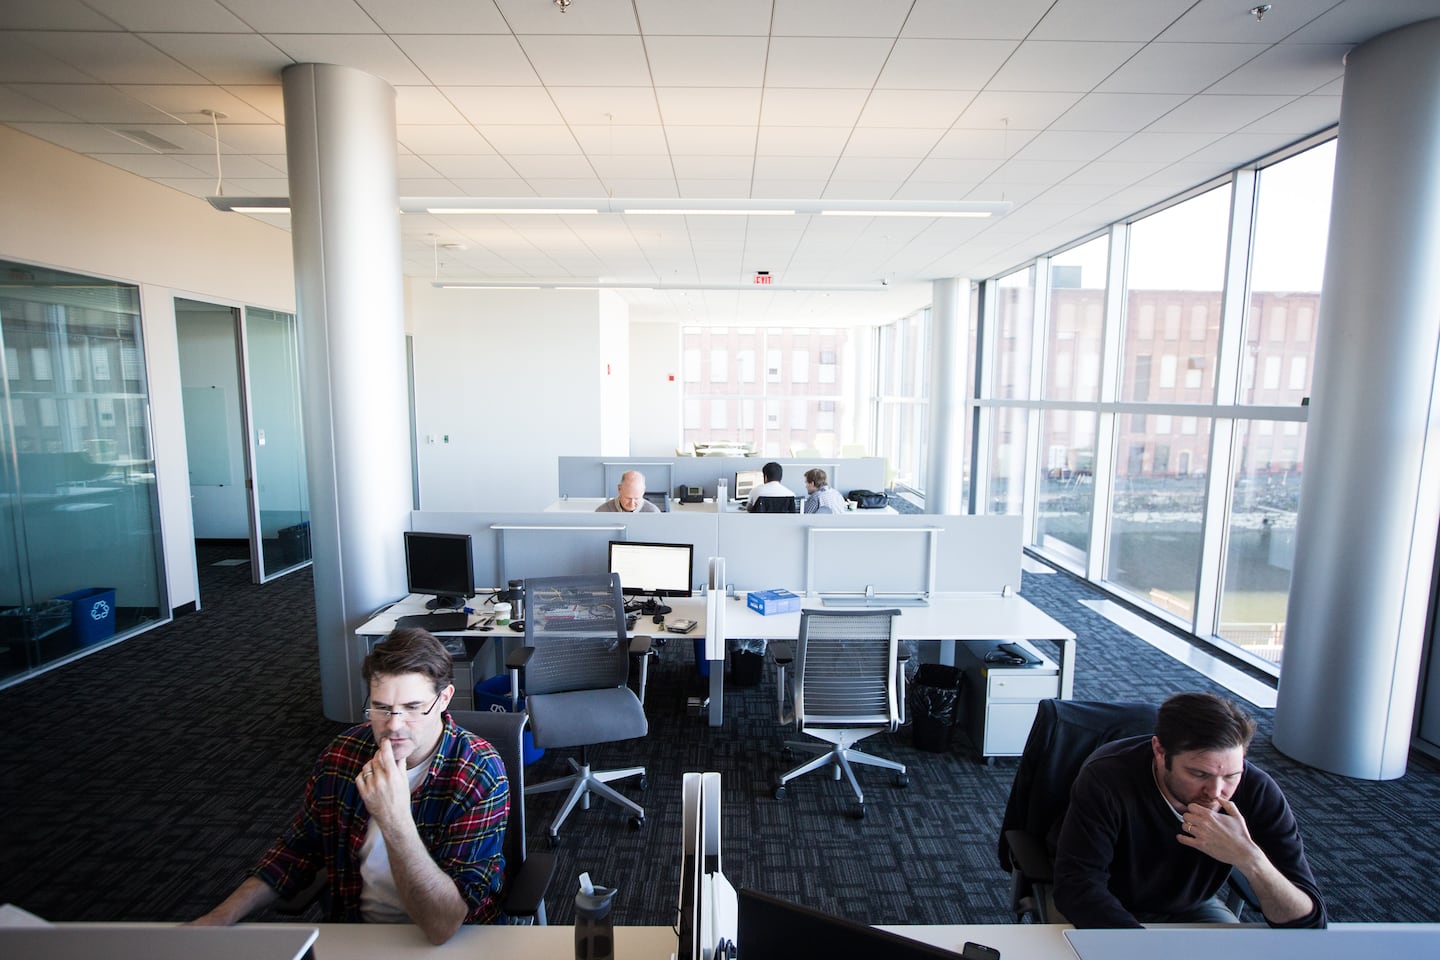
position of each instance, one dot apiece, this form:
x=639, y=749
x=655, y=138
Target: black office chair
x=527, y=875
x=776, y=505
x=1065, y=732
x=576, y=662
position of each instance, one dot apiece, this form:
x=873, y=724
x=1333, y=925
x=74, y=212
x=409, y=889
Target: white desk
x=948, y=618
x=588, y=505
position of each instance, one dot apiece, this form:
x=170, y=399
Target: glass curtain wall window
x=902, y=383
x=1009, y=353
x=778, y=392
x=81, y=560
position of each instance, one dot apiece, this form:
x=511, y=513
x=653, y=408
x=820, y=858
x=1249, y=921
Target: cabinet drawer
x=1013, y=685
x=1007, y=727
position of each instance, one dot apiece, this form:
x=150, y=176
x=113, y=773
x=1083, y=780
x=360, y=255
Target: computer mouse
x=658, y=618
x=517, y=625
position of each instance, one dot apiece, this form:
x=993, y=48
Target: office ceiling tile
x=426, y=105
x=406, y=165
x=1081, y=145
x=713, y=168
x=709, y=106
x=1112, y=20
x=839, y=18
x=583, y=18
x=51, y=15
x=891, y=142
x=611, y=140
x=435, y=16
x=424, y=187
x=587, y=61
x=1223, y=21
x=1235, y=150
x=491, y=166
x=1111, y=173
x=937, y=109
x=893, y=171
x=878, y=190
x=1216, y=113
x=1044, y=65
x=821, y=62
x=704, y=187
x=721, y=141
x=1178, y=67
x=457, y=60
x=801, y=141
x=185, y=102
x=1117, y=111
x=251, y=138
x=269, y=100
x=658, y=168
x=17, y=107
x=1011, y=20
x=1155, y=145
x=567, y=187
x=1015, y=110
x=154, y=166
x=228, y=58
x=96, y=103
x=1354, y=21
x=733, y=18
x=944, y=64
x=111, y=57
x=495, y=187
x=441, y=139
x=533, y=139
x=501, y=105
x=706, y=61
x=376, y=55
x=1300, y=116
x=1294, y=68
x=599, y=105
x=816, y=169
x=812, y=108
x=961, y=144
x=958, y=170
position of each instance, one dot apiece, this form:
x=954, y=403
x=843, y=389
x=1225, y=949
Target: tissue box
x=766, y=602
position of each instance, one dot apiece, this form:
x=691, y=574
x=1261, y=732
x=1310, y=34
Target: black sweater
x=1118, y=855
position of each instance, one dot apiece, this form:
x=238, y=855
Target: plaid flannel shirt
x=460, y=811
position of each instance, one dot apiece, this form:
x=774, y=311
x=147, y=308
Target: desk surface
x=383, y=622
x=339, y=941
x=958, y=617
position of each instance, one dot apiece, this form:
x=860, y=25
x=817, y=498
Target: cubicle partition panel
x=891, y=553
x=510, y=546
x=597, y=476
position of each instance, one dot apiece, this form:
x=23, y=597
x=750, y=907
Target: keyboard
x=435, y=622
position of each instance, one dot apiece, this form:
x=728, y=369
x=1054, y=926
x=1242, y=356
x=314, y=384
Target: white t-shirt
x=379, y=897
x=770, y=488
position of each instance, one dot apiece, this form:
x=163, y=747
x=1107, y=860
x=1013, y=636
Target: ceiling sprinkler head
x=563, y=5
x=1257, y=12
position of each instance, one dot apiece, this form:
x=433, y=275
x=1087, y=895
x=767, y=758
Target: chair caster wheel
x=553, y=840
x=902, y=780
x=858, y=811
x=644, y=781
x=636, y=823
x=781, y=791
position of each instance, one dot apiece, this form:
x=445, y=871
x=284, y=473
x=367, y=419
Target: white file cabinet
x=999, y=701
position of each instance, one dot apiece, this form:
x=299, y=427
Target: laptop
x=770, y=928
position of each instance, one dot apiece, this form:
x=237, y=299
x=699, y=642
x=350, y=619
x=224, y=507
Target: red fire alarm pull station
x=762, y=276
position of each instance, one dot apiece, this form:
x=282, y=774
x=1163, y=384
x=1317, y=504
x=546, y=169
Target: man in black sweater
x=1155, y=825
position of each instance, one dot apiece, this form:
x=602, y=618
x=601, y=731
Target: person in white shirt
x=772, y=487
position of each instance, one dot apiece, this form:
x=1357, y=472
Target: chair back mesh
x=577, y=627
x=845, y=668
x=503, y=731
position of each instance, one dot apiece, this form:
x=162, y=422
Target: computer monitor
x=652, y=569
x=747, y=480
x=440, y=564
x=769, y=928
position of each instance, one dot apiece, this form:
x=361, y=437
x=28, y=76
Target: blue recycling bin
x=494, y=694
x=92, y=614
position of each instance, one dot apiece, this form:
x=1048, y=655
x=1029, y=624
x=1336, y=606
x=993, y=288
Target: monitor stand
x=444, y=603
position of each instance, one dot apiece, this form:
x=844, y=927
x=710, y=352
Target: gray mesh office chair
x=776, y=505
x=576, y=663
x=847, y=685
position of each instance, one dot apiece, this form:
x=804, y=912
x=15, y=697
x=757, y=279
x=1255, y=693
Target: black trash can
x=747, y=661
x=934, y=705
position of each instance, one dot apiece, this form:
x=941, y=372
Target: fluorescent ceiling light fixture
x=906, y=213
x=509, y=211
x=250, y=204
x=698, y=212
x=475, y=286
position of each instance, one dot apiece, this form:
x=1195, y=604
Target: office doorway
x=240, y=382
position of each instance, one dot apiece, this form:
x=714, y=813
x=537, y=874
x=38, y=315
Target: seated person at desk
x=409, y=831
x=1155, y=825
x=772, y=487
x=822, y=498
x=629, y=496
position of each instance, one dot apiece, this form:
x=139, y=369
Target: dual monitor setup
x=442, y=565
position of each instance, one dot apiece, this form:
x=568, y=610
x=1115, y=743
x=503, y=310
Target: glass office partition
x=1077, y=320
x=80, y=562
x=281, y=495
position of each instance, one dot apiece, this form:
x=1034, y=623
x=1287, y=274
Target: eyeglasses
x=409, y=713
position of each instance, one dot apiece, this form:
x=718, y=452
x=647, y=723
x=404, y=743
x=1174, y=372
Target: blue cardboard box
x=766, y=602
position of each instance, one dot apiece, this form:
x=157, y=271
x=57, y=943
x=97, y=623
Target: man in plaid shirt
x=410, y=830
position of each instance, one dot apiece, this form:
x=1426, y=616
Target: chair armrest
x=519, y=657
x=640, y=645
x=526, y=896
x=782, y=652
x=1029, y=856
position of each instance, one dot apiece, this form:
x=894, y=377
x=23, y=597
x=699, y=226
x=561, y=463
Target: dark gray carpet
x=142, y=782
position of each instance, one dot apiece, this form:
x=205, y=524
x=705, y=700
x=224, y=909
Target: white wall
x=215, y=435
x=655, y=383
x=614, y=375
x=66, y=211
x=513, y=378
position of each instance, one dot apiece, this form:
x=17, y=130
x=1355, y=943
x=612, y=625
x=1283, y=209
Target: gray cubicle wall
x=597, y=476
x=973, y=554
x=508, y=546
